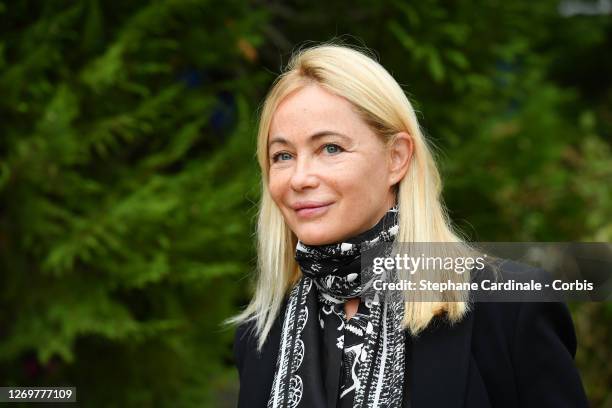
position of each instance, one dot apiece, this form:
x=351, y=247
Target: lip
x=309, y=209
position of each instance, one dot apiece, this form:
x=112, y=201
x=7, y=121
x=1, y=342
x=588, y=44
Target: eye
x=332, y=148
x=280, y=156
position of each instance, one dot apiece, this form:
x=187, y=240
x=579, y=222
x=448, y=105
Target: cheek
x=361, y=179
x=276, y=186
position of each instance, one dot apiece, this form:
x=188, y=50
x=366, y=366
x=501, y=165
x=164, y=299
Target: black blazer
x=503, y=354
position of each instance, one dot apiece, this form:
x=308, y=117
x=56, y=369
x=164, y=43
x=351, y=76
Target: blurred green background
x=128, y=181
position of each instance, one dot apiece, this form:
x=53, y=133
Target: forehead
x=311, y=108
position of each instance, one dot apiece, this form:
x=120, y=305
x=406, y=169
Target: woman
x=344, y=164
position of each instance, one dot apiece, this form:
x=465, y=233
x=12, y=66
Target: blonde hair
x=381, y=103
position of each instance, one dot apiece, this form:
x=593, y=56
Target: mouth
x=312, y=211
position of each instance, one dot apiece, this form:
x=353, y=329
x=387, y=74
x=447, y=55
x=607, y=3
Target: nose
x=304, y=175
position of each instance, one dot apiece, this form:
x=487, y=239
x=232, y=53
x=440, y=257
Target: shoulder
x=246, y=340
x=498, y=310
x=517, y=324
x=243, y=340
x=535, y=341
x=544, y=347
x=256, y=367
x=521, y=317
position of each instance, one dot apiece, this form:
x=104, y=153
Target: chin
x=315, y=238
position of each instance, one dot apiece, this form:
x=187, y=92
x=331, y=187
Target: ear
x=400, y=155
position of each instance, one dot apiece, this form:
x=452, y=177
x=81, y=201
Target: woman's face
x=330, y=174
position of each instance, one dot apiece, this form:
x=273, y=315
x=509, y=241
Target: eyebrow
x=312, y=138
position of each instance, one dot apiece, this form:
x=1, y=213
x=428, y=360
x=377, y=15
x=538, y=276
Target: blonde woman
x=344, y=164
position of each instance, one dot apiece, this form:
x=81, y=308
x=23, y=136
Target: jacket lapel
x=440, y=360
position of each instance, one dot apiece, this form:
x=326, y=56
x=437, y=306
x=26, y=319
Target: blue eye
x=280, y=155
x=334, y=148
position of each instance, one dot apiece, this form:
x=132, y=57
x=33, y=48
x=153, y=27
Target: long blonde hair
x=348, y=72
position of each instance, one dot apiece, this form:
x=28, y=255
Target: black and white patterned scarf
x=310, y=359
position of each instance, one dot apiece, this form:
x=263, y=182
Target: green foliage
x=127, y=181
x=128, y=177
